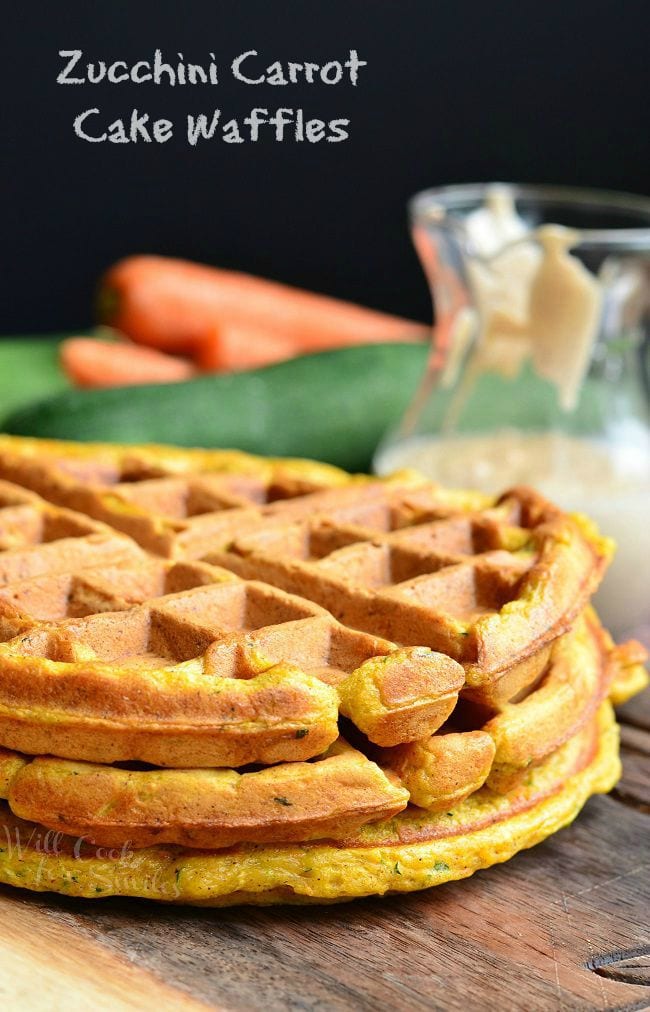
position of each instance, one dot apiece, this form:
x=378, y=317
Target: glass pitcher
x=538, y=371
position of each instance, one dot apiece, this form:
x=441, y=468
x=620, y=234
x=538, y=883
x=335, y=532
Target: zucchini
x=29, y=370
x=333, y=406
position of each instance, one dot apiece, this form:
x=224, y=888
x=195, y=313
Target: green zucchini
x=29, y=370
x=333, y=406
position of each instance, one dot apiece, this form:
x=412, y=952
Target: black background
x=454, y=91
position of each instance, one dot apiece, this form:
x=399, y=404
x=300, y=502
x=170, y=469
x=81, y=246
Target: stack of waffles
x=225, y=679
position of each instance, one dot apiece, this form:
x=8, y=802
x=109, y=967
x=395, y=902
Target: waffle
x=226, y=679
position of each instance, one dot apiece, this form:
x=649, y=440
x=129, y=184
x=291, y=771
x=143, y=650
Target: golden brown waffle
x=37, y=538
x=415, y=850
x=171, y=501
x=491, y=586
x=289, y=656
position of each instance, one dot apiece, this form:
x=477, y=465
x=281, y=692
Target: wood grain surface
x=563, y=926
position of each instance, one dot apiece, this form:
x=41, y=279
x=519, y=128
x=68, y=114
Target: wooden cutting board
x=563, y=926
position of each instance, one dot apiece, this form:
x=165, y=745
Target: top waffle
x=490, y=583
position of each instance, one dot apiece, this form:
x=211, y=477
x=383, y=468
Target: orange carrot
x=91, y=363
x=234, y=347
x=178, y=306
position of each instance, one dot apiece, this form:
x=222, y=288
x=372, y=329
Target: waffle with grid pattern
x=232, y=667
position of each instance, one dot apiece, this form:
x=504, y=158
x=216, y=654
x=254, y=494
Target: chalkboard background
x=453, y=91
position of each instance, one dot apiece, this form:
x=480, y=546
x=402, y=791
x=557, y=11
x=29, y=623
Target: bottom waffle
x=413, y=850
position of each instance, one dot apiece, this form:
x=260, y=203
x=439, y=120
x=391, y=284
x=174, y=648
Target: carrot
x=181, y=307
x=234, y=347
x=91, y=363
